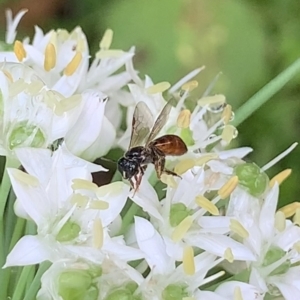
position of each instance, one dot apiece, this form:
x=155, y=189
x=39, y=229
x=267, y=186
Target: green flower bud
x=76, y=285
x=22, y=133
x=68, y=232
x=178, y=212
x=122, y=294
x=252, y=178
x=174, y=292
x=273, y=255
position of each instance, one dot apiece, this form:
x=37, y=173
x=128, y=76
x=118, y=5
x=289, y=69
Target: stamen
x=73, y=64
x=228, y=255
x=158, y=88
x=188, y=261
x=227, y=114
x=98, y=234
x=79, y=199
x=207, y=205
x=212, y=100
x=106, y=40
x=113, y=188
x=238, y=228
x=280, y=221
x=168, y=180
x=185, y=79
x=280, y=177
x=19, y=50
x=279, y=157
x=189, y=86
x=17, y=87
x=99, y=204
x=82, y=184
x=296, y=218
x=206, y=158
x=24, y=177
x=182, y=228
x=213, y=277
x=237, y=294
x=8, y=75
x=290, y=209
x=184, y=165
x=184, y=119
x=67, y=104
x=50, y=57
x=228, y=187
x=229, y=132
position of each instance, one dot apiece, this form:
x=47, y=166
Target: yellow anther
x=190, y=85
x=114, y=188
x=207, y=205
x=67, y=104
x=228, y=255
x=109, y=54
x=280, y=221
x=184, y=165
x=237, y=295
x=228, y=187
x=98, y=234
x=296, y=246
x=228, y=133
x=25, y=178
x=34, y=87
x=73, y=64
x=158, y=88
x=227, y=114
x=188, y=261
x=206, y=158
x=106, y=39
x=79, y=200
x=290, y=209
x=50, y=57
x=182, y=229
x=168, y=180
x=216, y=99
x=238, y=228
x=184, y=119
x=280, y=177
x=82, y=184
x=8, y=75
x=19, y=50
x=99, y=204
x=296, y=218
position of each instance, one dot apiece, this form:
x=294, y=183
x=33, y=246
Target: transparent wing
x=142, y=122
x=160, y=121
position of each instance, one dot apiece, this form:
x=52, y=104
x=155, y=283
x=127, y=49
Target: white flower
x=71, y=213
x=92, y=135
x=31, y=115
x=165, y=278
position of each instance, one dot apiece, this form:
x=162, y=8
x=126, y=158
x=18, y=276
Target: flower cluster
x=212, y=233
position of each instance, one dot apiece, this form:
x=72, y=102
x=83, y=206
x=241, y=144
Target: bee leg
x=159, y=165
x=171, y=173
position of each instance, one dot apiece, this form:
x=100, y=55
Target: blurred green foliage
x=249, y=41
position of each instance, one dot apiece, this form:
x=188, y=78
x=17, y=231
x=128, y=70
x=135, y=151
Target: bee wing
x=161, y=121
x=142, y=122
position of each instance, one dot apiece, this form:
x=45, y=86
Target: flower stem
x=19, y=291
x=36, y=283
x=128, y=217
x=266, y=93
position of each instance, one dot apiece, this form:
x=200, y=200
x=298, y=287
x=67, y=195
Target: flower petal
x=29, y=250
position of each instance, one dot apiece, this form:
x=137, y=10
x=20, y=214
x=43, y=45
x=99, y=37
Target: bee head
x=128, y=168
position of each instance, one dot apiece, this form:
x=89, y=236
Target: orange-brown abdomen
x=170, y=144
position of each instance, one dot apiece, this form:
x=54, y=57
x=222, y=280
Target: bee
x=144, y=149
